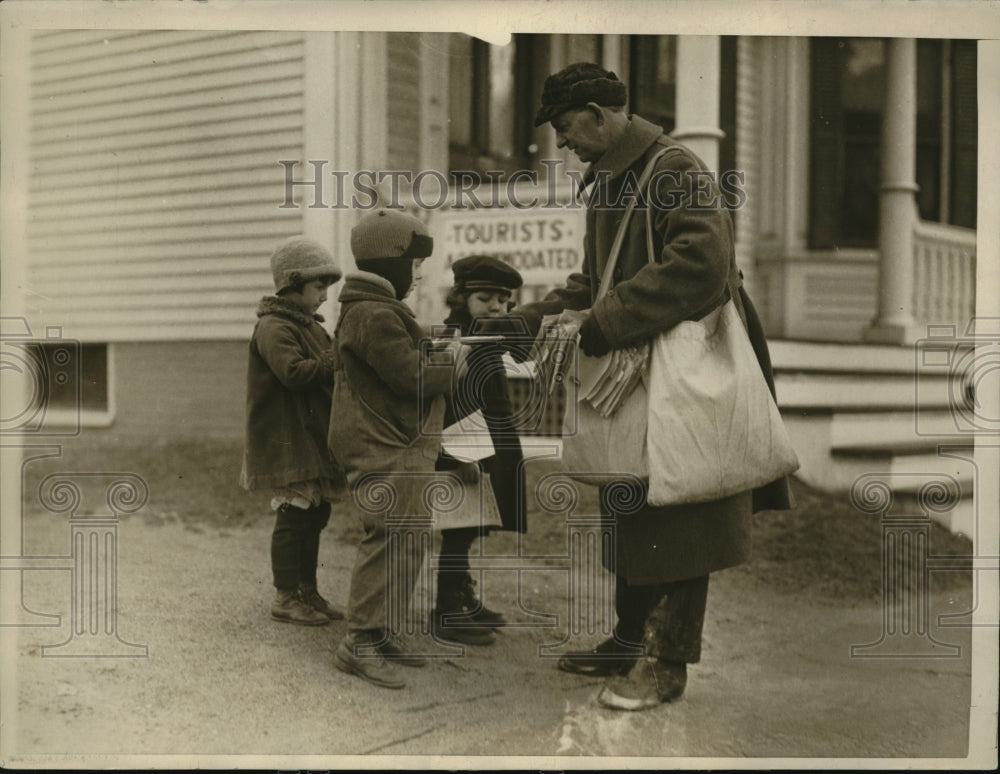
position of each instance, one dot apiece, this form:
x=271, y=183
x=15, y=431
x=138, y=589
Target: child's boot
x=310, y=596
x=449, y=619
x=288, y=607
x=478, y=612
x=286, y=565
x=314, y=520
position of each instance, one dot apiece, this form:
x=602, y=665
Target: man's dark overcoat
x=695, y=258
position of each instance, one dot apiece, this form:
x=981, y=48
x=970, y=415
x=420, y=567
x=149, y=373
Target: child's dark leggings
x=453, y=563
x=295, y=544
x=455, y=547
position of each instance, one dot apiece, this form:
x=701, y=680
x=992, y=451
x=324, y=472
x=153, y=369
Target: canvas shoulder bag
x=713, y=428
x=599, y=447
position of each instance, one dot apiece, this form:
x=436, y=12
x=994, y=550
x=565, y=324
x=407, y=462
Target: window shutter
x=826, y=147
x=727, y=104
x=964, y=137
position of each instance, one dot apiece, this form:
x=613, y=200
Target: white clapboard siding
x=137, y=295
x=155, y=186
x=155, y=58
x=71, y=45
x=154, y=260
x=207, y=215
x=275, y=101
x=152, y=108
x=134, y=147
x=178, y=266
x=235, y=162
x=54, y=215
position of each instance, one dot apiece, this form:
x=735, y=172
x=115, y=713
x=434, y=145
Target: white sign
x=544, y=246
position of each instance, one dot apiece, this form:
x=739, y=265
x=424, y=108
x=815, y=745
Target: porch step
x=911, y=471
x=846, y=392
x=841, y=377
x=908, y=469
x=856, y=411
x=901, y=432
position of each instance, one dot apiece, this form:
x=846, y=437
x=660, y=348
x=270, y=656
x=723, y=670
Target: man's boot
x=649, y=683
x=399, y=649
x=359, y=654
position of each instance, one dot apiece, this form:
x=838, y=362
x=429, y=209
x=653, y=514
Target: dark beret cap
x=484, y=272
x=576, y=85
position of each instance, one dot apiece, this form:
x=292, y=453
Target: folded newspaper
x=604, y=382
x=468, y=439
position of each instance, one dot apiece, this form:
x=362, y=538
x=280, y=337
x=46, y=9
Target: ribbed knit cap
x=299, y=259
x=390, y=234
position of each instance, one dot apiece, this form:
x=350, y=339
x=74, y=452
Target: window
x=727, y=103
x=653, y=87
x=52, y=385
x=71, y=391
x=653, y=82
x=494, y=92
x=847, y=91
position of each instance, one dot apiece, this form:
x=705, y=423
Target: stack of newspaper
x=607, y=381
x=553, y=351
x=604, y=382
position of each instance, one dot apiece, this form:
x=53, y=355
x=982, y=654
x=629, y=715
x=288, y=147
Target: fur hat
x=484, y=272
x=576, y=85
x=298, y=260
x=390, y=234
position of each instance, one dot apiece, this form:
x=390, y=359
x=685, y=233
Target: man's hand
x=467, y=472
x=592, y=341
x=571, y=320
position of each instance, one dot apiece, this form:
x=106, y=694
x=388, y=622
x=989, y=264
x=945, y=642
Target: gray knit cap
x=390, y=234
x=299, y=259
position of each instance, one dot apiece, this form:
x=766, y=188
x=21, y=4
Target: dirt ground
x=219, y=679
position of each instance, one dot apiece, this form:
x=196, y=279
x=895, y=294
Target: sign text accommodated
x=545, y=247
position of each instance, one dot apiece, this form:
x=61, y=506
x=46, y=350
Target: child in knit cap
x=289, y=389
x=388, y=410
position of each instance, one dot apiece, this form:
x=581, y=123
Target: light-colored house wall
x=154, y=190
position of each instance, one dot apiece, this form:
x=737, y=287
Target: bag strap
x=616, y=246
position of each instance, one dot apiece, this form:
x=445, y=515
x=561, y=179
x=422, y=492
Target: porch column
x=894, y=322
x=434, y=76
x=612, y=56
x=697, y=107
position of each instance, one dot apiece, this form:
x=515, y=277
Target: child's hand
x=450, y=352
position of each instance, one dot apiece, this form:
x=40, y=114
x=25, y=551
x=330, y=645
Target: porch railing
x=944, y=282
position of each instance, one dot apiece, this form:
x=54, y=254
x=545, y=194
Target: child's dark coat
x=289, y=387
